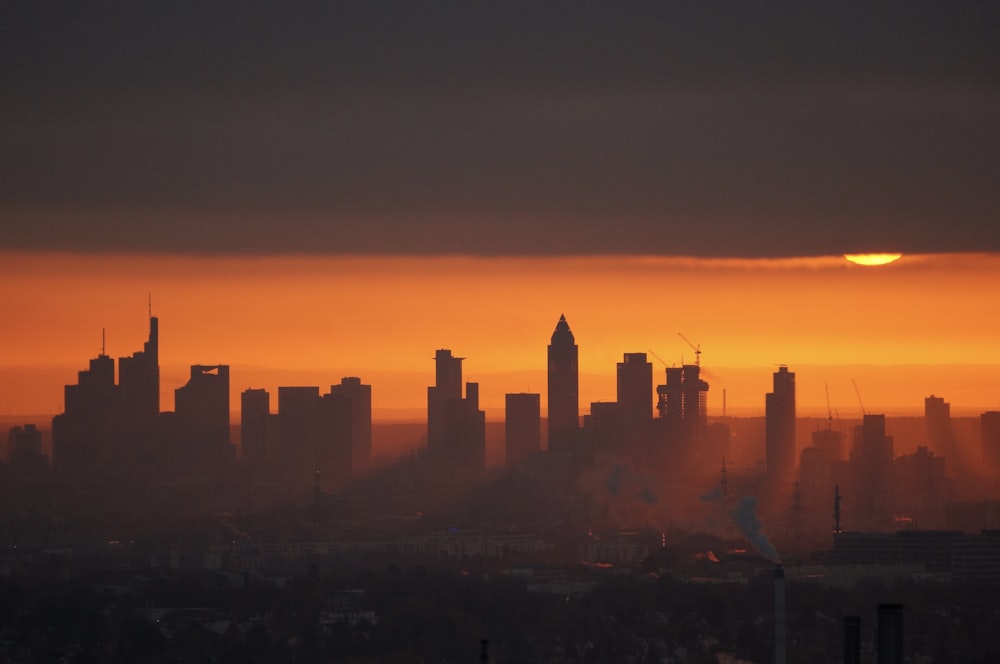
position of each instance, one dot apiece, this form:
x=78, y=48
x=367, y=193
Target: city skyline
x=295, y=320
x=556, y=331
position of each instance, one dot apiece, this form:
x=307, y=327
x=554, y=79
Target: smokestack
x=890, y=634
x=852, y=640
x=779, y=614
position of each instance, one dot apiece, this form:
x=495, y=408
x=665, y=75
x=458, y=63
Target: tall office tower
x=456, y=428
x=989, y=423
x=780, y=425
x=82, y=434
x=201, y=412
x=447, y=387
x=937, y=417
x=871, y=472
x=670, y=404
x=563, y=388
x=523, y=426
x=871, y=443
x=695, y=399
x=635, y=388
x=333, y=449
x=361, y=419
x=298, y=431
x=255, y=409
x=471, y=443
x=635, y=405
x=139, y=384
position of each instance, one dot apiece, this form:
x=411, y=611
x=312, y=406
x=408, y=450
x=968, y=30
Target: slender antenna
x=103, y=346
x=150, y=304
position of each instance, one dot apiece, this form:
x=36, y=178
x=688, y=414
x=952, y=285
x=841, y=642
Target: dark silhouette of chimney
x=852, y=640
x=484, y=650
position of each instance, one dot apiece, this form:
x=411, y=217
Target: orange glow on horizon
x=309, y=320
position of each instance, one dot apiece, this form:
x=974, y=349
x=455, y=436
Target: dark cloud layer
x=682, y=128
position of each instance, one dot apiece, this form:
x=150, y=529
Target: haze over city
x=562, y=332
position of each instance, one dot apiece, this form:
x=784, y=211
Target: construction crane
x=697, y=349
x=860, y=402
x=650, y=351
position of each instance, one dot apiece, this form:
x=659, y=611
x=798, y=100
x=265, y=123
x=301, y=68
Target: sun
x=873, y=259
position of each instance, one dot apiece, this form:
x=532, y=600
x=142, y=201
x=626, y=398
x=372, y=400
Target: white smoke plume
x=745, y=516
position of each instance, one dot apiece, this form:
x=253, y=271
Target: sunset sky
x=924, y=324
x=342, y=188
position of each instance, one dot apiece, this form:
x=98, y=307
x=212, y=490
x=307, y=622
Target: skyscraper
x=780, y=425
x=989, y=423
x=139, y=384
x=456, y=428
x=635, y=389
x=563, y=388
x=937, y=417
x=360, y=396
x=202, y=414
x=82, y=435
x=523, y=430
x=255, y=408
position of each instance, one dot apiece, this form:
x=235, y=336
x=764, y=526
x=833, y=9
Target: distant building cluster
x=111, y=425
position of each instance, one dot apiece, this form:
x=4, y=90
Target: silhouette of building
x=937, y=417
x=563, y=388
x=104, y=426
x=670, y=402
x=523, y=426
x=201, y=415
x=635, y=388
x=870, y=474
x=360, y=397
x=456, y=428
x=83, y=434
x=24, y=451
x=682, y=401
x=255, y=409
x=602, y=427
x=920, y=486
x=780, y=425
x=333, y=449
x=635, y=404
x=989, y=428
x=315, y=434
x=830, y=442
x=298, y=435
x=139, y=385
x=695, y=401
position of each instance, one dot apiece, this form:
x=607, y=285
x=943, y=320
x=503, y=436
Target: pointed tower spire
x=563, y=384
